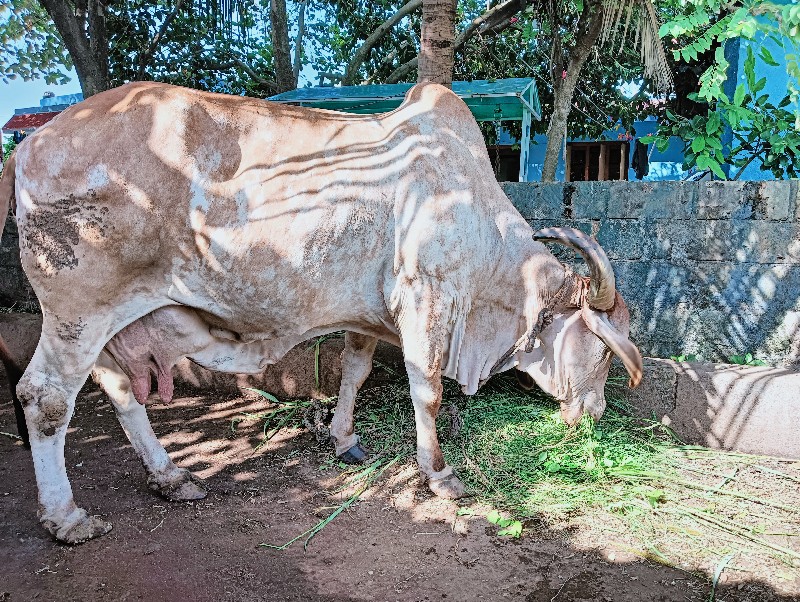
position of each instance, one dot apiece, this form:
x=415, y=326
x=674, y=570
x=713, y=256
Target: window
x=587, y=161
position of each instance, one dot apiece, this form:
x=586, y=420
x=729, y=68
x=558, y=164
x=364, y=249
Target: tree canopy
x=728, y=126
x=258, y=47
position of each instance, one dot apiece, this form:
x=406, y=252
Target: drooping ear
x=598, y=323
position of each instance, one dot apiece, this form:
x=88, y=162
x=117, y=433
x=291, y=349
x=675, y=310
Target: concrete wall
x=708, y=268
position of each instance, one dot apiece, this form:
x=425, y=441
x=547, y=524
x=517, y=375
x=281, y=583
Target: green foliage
x=508, y=526
x=8, y=148
x=683, y=358
x=345, y=25
x=762, y=131
x=29, y=45
x=220, y=46
x=746, y=360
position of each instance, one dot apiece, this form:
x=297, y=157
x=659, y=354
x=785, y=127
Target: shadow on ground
x=399, y=543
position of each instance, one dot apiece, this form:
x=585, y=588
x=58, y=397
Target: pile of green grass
x=624, y=480
x=514, y=451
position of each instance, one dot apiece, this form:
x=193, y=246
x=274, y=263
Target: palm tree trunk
x=436, y=46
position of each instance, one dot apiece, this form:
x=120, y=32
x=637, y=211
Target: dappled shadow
x=747, y=409
x=707, y=269
x=380, y=550
x=398, y=543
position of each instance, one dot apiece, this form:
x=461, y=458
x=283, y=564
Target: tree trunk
x=82, y=27
x=284, y=73
x=436, y=46
x=564, y=87
x=298, y=42
x=492, y=22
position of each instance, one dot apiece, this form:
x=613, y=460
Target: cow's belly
x=263, y=294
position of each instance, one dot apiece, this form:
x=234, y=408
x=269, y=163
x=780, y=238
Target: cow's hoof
x=357, y=454
x=186, y=492
x=185, y=488
x=79, y=528
x=449, y=488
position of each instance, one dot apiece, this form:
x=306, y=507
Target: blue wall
x=663, y=166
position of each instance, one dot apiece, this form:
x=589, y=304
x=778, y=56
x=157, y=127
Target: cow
x=260, y=224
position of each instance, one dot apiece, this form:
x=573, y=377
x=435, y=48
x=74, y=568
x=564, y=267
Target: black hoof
x=355, y=455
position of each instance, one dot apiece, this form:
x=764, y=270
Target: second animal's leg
x=174, y=483
x=356, y=366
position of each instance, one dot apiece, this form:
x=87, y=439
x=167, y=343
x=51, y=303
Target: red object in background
x=29, y=121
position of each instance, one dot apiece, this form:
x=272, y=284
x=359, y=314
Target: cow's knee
x=48, y=408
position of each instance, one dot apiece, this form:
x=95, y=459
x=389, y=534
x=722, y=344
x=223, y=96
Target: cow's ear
x=598, y=323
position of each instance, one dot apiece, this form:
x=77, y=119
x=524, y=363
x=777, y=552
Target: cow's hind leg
x=63, y=359
x=356, y=366
x=164, y=477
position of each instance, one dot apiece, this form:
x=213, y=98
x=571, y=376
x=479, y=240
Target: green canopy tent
x=489, y=100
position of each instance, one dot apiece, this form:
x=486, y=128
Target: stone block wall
x=707, y=268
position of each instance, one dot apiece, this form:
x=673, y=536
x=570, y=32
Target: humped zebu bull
x=157, y=222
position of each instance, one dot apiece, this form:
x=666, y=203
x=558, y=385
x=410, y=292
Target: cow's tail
x=13, y=370
x=7, y=180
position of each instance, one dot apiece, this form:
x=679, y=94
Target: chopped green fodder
x=626, y=483
x=630, y=481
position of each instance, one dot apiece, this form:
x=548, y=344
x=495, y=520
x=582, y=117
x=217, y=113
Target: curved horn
x=618, y=343
x=602, y=286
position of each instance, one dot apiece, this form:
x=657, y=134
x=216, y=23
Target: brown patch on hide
x=212, y=144
x=52, y=232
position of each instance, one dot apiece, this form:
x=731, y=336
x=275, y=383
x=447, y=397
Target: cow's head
x=590, y=324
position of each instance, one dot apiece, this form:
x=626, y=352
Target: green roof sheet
x=489, y=100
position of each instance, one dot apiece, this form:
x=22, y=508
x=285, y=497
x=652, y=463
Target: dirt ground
x=398, y=544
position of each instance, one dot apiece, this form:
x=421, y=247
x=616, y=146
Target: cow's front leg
x=424, y=312
x=163, y=476
x=426, y=393
x=356, y=366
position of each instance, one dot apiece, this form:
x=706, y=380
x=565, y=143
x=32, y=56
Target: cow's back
x=267, y=216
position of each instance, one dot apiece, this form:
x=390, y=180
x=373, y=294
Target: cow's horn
x=602, y=287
